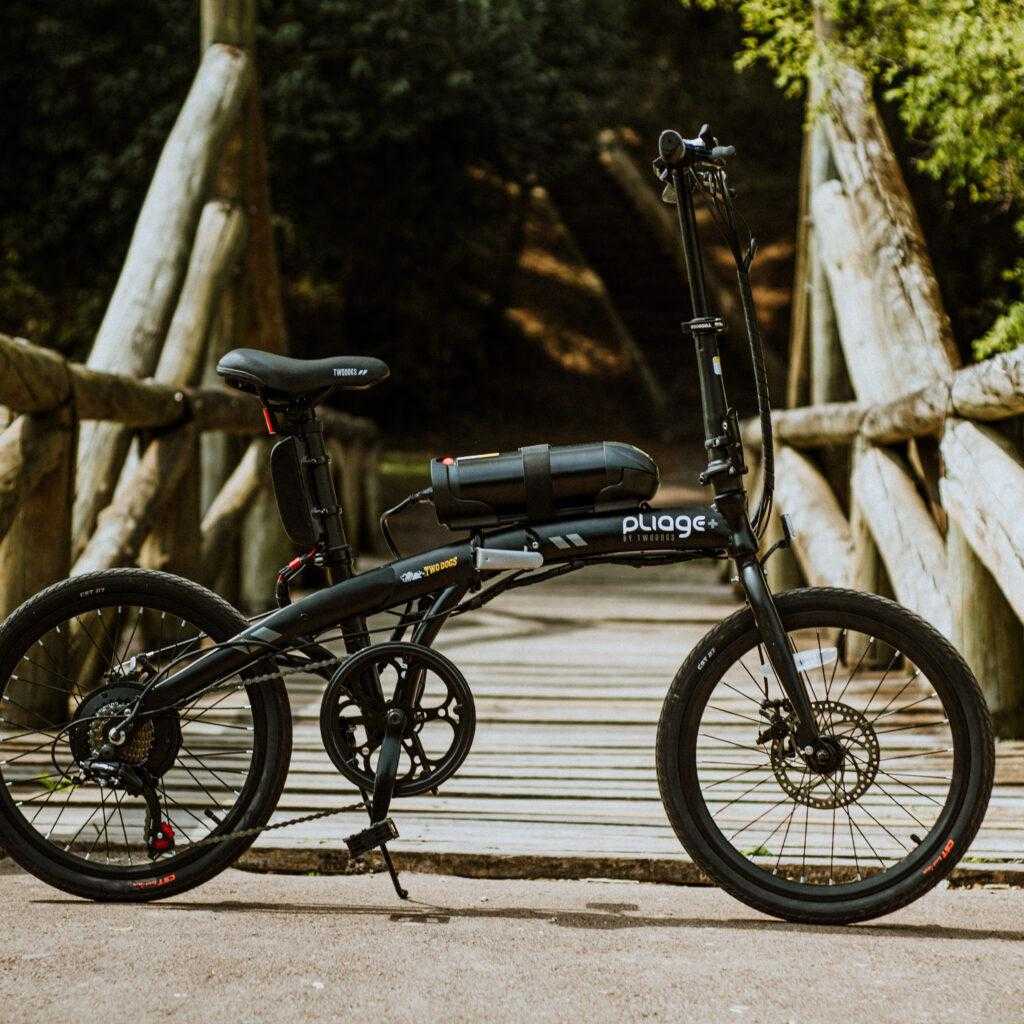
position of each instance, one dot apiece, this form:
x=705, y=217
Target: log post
x=139, y=497
x=27, y=564
x=174, y=541
x=133, y=327
x=821, y=533
x=227, y=510
x=782, y=569
x=906, y=535
x=348, y=467
x=988, y=634
x=869, y=573
x=264, y=548
x=829, y=382
x=797, y=378
x=173, y=544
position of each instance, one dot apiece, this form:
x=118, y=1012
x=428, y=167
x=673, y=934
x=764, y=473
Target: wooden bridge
x=891, y=480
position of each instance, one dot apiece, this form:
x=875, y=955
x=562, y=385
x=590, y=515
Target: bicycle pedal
x=361, y=843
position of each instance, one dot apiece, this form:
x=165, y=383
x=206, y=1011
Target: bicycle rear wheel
x=897, y=802
x=74, y=657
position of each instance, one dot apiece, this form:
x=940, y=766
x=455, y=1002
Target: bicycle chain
x=282, y=670
x=245, y=832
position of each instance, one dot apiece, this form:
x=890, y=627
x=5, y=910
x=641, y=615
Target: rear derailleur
x=135, y=782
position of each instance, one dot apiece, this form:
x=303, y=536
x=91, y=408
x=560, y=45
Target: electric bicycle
x=824, y=755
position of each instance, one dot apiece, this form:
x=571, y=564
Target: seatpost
x=337, y=553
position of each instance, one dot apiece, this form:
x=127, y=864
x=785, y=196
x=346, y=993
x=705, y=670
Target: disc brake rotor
x=857, y=756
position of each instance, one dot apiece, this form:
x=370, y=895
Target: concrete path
x=258, y=948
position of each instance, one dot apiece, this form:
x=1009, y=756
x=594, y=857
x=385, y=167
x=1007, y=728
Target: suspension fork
x=780, y=654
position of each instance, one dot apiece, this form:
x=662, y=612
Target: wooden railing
x=139, y=455
x=891, y=464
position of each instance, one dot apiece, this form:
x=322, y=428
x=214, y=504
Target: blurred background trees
x=408, y=144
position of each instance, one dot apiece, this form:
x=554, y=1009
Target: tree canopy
x=373, y=112
x=953, y=70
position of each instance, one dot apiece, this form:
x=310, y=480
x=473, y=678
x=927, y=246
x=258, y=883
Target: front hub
x=841, y=766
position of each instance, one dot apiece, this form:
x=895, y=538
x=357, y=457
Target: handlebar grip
x=721, y=152
x=670, y=146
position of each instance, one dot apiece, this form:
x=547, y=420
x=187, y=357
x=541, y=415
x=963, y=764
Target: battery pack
x=540, y=482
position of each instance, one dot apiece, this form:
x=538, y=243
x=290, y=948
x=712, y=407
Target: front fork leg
x=780, y=654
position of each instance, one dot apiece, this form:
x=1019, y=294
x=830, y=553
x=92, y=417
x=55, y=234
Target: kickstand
x=403, y=894
x=377, y=836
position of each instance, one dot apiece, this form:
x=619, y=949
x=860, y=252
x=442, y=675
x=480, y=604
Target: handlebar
x=676, y=151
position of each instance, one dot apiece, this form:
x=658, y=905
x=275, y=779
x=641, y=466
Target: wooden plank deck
x=569, y=680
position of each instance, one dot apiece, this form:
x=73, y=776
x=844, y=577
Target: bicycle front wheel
x=903, y=790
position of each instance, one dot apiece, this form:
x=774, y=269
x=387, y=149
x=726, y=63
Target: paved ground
x=275, y=948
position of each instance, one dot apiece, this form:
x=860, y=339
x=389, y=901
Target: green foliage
x=373, y=112
x=1005, y=334
x=91, y=88
x=953, y=69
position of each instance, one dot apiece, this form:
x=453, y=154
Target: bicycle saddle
x=249, y=369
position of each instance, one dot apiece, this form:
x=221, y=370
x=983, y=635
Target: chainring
x=847, y=782
x=441, y=716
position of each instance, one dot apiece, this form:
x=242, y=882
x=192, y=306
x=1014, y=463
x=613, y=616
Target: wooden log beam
x=38, y=380
x=136, y=319
x=821, y=534
x=905, y=533
x=215, y=252
x=991, y=390
x=173, y=543
x=125, y=522
x=228, y=509
x=989, y=515
x=813, y=426
x=910, y=315
x=848, y=265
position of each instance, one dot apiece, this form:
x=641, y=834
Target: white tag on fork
x=807, y=660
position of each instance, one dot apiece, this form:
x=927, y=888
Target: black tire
x=828, y=889
x=256, y=786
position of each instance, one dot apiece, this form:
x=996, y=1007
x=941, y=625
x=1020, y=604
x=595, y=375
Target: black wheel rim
x=884, y=814
x=94, y=829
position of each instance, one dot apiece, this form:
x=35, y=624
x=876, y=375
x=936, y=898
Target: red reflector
x=447, y=461
x=269, y=420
